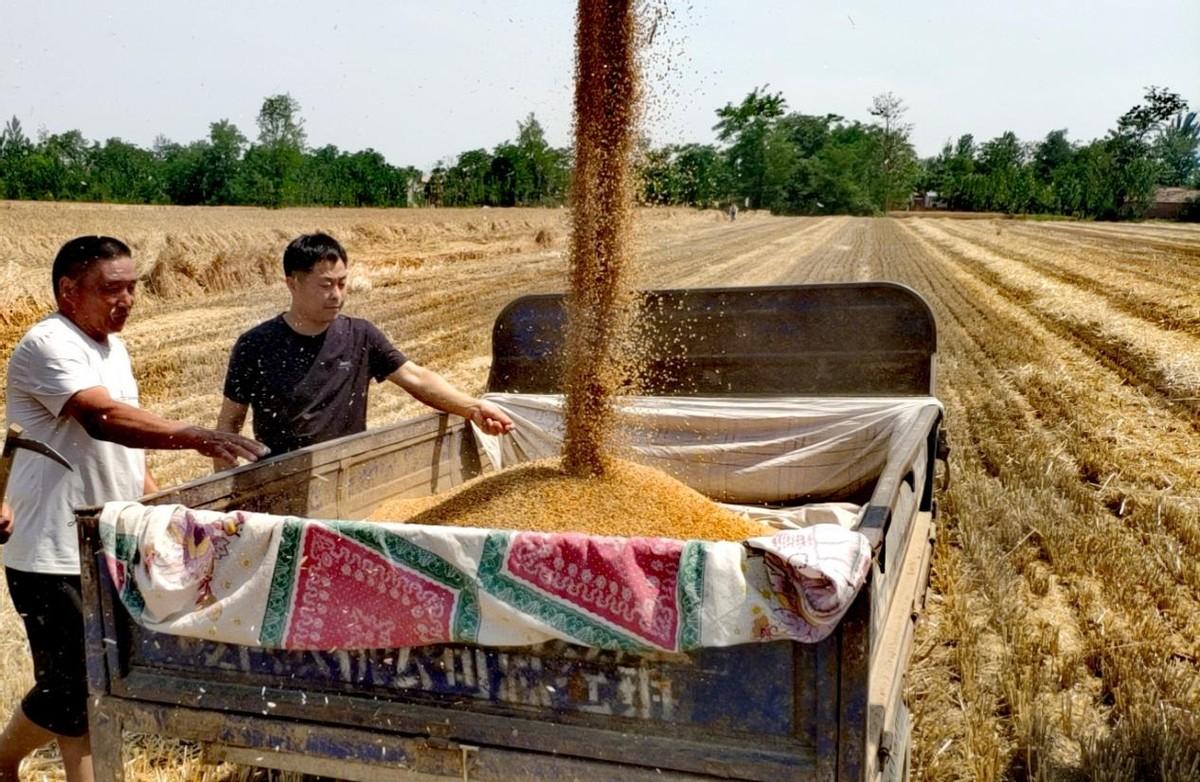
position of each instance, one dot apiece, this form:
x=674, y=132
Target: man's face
x=100, y=300
x=318, y=295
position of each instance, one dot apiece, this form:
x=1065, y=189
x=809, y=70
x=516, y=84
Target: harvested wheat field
x=1062, y=634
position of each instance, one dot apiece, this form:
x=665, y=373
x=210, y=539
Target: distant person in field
x=732, y=212
x=70, y=386
x=305, y=372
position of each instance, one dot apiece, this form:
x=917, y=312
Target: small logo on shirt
x=343, y=365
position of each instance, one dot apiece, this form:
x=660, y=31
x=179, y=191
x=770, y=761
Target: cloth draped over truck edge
x=294, y=583
x=291, y=583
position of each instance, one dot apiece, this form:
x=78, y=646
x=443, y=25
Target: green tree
x=701, y=173
x=504, y=175
x=745, y=128
x=1052, y=153
x=1135, y=170
x=273, y=165
x=843, y=170
x=658, y=177
x=1007, y=183
x=781, y=164
x=321, y=179
x=182, y=170
x=1176, y=149
x=435, y=187
x=279, y=122
x=221, y=161
x=15, y=148
x=64, y=170
x=692, y=174
x=467, y=179
x=896, y=160
x=541, y=170
x=797, y=146
x=125, y=173
x=960, y=174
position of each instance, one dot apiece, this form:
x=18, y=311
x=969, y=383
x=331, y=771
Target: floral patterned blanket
x=294, y=583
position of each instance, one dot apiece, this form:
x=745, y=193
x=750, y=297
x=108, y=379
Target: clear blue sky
x=423, y=81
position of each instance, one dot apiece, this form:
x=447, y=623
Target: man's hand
x=6, y=522
x=225, y=447
x=490, y=418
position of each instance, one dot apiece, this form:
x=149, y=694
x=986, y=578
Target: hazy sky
x=424, y=81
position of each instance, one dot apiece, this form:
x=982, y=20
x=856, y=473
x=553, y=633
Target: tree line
x=765, y=157
x=790, y=162
x=1153, y=144
x=278, y=169
x=796, y=163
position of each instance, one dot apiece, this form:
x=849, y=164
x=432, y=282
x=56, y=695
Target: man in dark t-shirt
x=306, y=372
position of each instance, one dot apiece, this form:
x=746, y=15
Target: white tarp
x=747, y=452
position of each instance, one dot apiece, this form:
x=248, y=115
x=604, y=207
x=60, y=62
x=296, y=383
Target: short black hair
x=81, y=252
x=307, y=250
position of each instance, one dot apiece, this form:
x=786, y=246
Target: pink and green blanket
x=294, y=583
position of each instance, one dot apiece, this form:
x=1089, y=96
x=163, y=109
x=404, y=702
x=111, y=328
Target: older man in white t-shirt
x=71, y=386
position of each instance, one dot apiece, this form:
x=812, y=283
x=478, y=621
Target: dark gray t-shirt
x=308, y=389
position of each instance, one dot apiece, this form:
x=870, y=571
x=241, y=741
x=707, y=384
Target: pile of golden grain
x=630, y=500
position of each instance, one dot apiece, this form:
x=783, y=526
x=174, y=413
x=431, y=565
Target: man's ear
x=291, y=282
x=66, y=289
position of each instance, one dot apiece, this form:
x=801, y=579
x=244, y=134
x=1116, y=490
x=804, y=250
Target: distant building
x=928, y=200
x=1169, y=202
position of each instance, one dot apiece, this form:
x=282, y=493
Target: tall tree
x=1135, y=169
x=745, y=128
x=221, y=161
x=279, y=122
x=897, y=162
x=14, y=152
x=274, y=164
x=1176, y=149
x=1052, y=158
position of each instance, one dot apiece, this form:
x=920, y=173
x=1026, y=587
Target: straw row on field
x=1064, y=633
x=1164, y=291
x=1168, y=361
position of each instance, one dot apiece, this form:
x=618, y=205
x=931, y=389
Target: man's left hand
x=491, y=419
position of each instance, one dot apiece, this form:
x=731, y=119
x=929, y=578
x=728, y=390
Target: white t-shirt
x=52, y=362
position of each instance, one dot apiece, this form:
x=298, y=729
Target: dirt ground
x=1062, y=634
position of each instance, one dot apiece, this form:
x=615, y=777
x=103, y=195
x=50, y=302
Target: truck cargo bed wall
x=858, y=339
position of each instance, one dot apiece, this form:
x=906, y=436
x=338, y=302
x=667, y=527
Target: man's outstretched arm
x=105, y=418
x=438, y=392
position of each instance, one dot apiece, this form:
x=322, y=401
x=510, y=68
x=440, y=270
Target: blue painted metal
x=746, y=689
